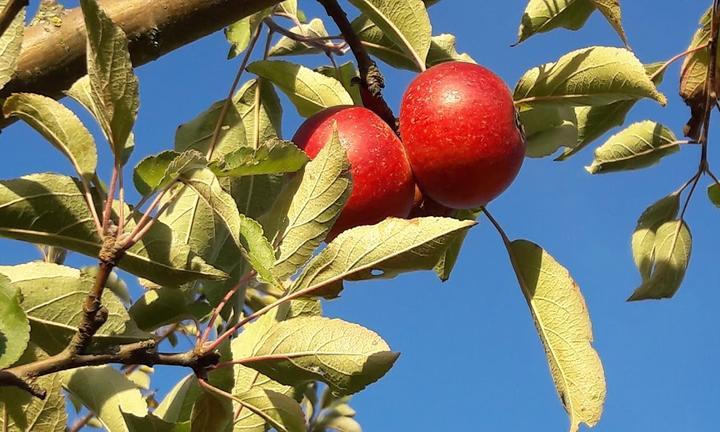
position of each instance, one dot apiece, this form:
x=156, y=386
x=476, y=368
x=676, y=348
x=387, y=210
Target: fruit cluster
x=462, y=146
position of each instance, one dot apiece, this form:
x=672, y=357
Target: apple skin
x=383, y=184
x=462, y=134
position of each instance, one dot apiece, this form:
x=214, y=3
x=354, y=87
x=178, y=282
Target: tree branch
x=8, y=14
x=53, y=57
x=140, y=353
x=371, y=80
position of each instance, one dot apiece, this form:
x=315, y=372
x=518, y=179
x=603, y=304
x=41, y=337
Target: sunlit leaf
x=714, y=194
x=14, y=326
x=612, y=12
x=286, y=46
x=116, y=395
x=240, y=34
x=151, y=423
x=309, y=206
x=50, y=209
x=281, y=412
x=564, y=326
x=28, y=413
x=114, y=87
x=308, y=90
x=345, y=356
x=159, y=171
x=673, y=245
x=694, y=73
x=159, y=307
x=348, y=76
x=447, y=261
x=59, y=126
x=271, y=157
x=548, y=128
x=51, y=295
x=643, y=239
x=405, y=22
x=384, y=250
x=589, y=76
x=639, y=145
x=542, y=16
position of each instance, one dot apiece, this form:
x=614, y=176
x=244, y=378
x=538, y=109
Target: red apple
x=383, y=184
x=462, y=135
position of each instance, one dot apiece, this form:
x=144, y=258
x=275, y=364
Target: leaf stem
x=676, y=58
x=218, y=309
x=226, y=106
x=109, y=200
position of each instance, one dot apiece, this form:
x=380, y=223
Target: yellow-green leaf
x=714, y=194
x=384, y=250
x=10, y=44
x=548, y=128
x=542, y=16
x=643, y=239
x=308, y=90
x=673, y=245
x=14, y=325
x=114, y=86
x=59, y=126
x=640, y=145
x=564, y=326
x=612, y=12
x=589, y=76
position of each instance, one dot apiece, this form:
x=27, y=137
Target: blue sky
x=471, y=359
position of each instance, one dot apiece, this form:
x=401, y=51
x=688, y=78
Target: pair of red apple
x=461, y=144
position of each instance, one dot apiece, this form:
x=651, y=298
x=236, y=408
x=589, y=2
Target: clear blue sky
x=471, y=359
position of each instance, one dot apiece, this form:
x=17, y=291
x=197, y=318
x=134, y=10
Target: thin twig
x=320, y=42
x=81, y=422
x=371, y=80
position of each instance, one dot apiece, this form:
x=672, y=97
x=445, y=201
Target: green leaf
x=116, y=285
x=211, y=413
x=611, y=10
x=673, y=245
x=542, y=16
x=384, y=250
x=308, y=90
x=286, y=46
x=159, y=171
x=51, y=295
x=281, y=412
x=289, y=7
x=346, y=73
x=114, y=87
x=345, y=356
x=116, y=397
x=197, y=133
x=164, y=306
x=548, y=128
x=28, y=413
x=151, y=423
x=176, y=407
x=405, y=22
x=342, y=424
x=14, y=326
x=640, y=145
x=714, y=194
x=643, y=239
x=594, y=121
x=272, y=157
x=589, y=76
x=447, y=261
x=81, y=92
x=308, y=208
x=10, y=44
x=442, y=47
x=247, y=379
x=247, y=233
x=50, y=209
x=564, y=326
x=240, y=34
x=59, y=126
